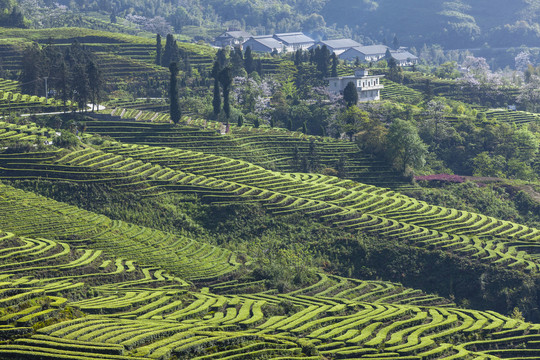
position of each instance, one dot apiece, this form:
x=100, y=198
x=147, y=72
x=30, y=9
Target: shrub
x=66, y=140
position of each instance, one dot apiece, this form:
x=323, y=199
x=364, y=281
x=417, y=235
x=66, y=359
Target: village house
x=232, y=37
x=404, y=58
x=294, y=41
x=337, y=46
x=370, y=53
x=368, y=86
x=263, y=44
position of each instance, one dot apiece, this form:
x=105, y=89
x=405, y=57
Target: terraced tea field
x=154, y=170
x=72, y=297
x=271, y=148
x=515, y=117
x=22, y=103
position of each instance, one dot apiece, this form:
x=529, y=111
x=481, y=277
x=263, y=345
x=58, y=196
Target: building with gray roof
x=232, y=37
x=404, y=58
x=264, y=44
x=370, y=53
x=337, y=46
x=294, y=41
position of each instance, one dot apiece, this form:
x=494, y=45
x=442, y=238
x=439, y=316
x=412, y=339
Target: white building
x=337, y=46
x=232, y=37
x=368, y=86
x=404, y=58
x=370, y=53
x=264, y=44
x=294, y=41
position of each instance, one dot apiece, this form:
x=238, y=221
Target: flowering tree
x=522, y=61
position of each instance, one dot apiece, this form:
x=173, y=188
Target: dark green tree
x=405, y=147
x=31, y=69
x=95, y=83
x=175, y=111
x=170, y=53
x=248, y=60
x=63, y=82
x=237, y=62
x=80, y=85
x=259, y=67
x=240, y=120
x=322, y=60
x=225, y=79
x=298, y=57
x=350, y=94
x=113, y=17
x=334, y=65
x=159, y=49
x=216, y=102
x=395, y=42
x=221, y=58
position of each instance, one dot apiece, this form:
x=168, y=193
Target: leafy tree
x=248, y=60
x=240, y=120
x=529, y=95
x=405, y=147
x=433, y=127
x=350, y=94
x=352, y=120
x=175, y=111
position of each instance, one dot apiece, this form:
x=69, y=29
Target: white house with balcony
x=368, y=86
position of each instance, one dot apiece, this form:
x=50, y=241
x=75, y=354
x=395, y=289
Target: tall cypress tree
x=222, y=57
x=79, y=83
x=173, y=94
x=298, y=57
x=167, y=56
x=334, y=65
x=95, y=82
x=225, y=78
x=216, y=102
x=63, y=79
x=159, y=49
x=31, y=70
x=248, y=60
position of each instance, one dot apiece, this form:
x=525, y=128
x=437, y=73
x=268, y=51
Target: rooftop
x=294, y=38
x=340, y=43
x=403, y=55
x=235, y=34
x=268, y=41
x=372, y=49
